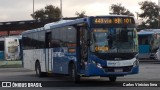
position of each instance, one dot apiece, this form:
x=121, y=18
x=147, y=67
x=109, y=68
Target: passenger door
x=83, y=47
x=48, y=51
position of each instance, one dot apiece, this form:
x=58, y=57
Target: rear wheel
x=39, y=73
x=73, y=73
x=112, y=79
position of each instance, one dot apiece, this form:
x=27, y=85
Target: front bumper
x=108, y=71
x=113, y=68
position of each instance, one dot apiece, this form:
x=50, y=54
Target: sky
x=17, y=10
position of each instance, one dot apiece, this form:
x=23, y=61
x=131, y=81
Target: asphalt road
x=149, y=71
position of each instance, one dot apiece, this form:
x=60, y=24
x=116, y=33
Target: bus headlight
x=93, y=62
x=136, y=63
x=137, y=57
x=97, y=64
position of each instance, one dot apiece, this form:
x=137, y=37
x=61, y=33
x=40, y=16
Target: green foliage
x=81, y=14
x=120, y=10
x=39, y=14
x=150, y=12
x=53, y=12
x=49, y=12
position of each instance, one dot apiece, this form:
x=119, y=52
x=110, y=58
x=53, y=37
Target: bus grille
x=118, y=69
x=114, y=56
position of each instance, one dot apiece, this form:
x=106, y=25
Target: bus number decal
x=58, y=54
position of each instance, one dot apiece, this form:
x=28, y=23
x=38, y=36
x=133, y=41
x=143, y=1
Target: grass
x=11, y=66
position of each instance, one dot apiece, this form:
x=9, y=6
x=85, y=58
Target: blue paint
x=144, y=48
x=61, y=58
x=1, y=55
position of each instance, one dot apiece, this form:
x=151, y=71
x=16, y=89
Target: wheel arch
x=70, y=63
x=37, y=61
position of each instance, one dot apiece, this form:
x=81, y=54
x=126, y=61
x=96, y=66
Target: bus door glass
x=48, y=54
x=83, y=46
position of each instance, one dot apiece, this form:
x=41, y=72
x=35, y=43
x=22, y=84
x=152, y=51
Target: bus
x=103, y=46
x=149, y=40
x=10, y=48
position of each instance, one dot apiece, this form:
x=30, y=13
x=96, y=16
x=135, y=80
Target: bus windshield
x=114, y=40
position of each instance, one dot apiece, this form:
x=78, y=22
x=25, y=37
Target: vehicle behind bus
x=10, y=48
x=148, y=44
x=103, y=46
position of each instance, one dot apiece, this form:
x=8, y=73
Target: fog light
x=136, y=63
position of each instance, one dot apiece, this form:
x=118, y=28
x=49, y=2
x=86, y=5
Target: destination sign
x=101, y=49
x=100, y=30
x=113, y=20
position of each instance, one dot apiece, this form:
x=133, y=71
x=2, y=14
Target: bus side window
x=63, y=38
x=41, y=39
x=48, y=40
x=71, y=35
x=55, y=38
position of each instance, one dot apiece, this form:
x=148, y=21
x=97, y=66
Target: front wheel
x=73, y=73
x=112, y=79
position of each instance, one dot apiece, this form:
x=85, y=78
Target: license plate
x=118, y=70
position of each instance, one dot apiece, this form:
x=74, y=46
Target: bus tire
x=73, y=73
x=39, y=73
x=112, y=79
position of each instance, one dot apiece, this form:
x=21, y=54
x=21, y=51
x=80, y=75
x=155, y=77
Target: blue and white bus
x=104, y=46
x=149, y=40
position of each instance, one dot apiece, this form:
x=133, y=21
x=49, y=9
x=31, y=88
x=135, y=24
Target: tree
x=81, y=14
x=53, y=12
x=120, y=10
x=150, y=12
x=39, y=14
x=49, y=12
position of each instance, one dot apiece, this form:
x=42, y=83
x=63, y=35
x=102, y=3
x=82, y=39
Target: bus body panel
x=61, y=60
x=32, y=56
x=144, y=51
x=1, y=55
x=48, y=60
x=28, y=61
x=39, y=55
x=144, y=48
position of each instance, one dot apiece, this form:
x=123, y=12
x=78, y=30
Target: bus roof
x=48, y=26
x=67, y=22
x=152, y=30
x=15, y=36
x=145, y=33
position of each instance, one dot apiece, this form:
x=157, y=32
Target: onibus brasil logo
x=20, y=84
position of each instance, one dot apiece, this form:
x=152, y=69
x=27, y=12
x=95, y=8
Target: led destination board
x=112, y=20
